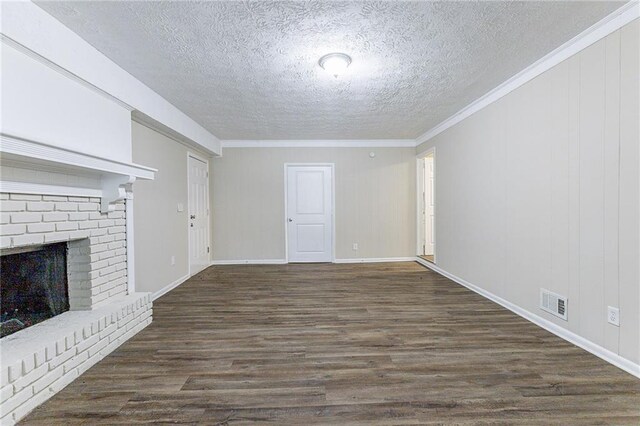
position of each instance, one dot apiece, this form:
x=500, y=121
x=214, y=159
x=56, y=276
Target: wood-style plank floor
x=341, y=344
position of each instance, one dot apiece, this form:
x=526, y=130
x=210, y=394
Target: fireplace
x=65, y=293
x=67, y=290
x=34, y=286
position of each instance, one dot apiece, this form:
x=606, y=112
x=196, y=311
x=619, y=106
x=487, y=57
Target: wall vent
x=553, y=303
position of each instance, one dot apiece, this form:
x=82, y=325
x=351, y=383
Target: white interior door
x=309, y=213
x=198, y=214
x=429, y=210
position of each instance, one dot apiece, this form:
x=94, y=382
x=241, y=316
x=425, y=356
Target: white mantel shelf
x=37, y=152
x=115, y=177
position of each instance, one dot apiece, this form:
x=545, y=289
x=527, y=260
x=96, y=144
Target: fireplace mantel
x=113, y=178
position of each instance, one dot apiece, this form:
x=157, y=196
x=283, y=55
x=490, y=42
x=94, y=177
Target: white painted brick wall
x=97, y=277
x=35, y=219
x=29, y=385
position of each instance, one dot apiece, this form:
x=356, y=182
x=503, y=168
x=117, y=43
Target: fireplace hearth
x=33, y=286
x=65, y=295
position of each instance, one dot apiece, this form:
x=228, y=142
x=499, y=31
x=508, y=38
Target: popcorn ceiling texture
x=248, y=70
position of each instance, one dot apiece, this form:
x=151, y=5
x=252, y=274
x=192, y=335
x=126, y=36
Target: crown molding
x=102, y=76
x=609, y=24
x=320, y=143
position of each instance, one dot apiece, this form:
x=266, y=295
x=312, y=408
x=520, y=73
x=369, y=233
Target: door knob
x=290, y=220
x=193, y=216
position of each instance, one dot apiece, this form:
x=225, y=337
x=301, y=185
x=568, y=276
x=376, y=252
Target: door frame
x=206, y=161
x=420, y=199
x=333, y=206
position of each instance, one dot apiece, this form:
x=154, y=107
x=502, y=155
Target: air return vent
x=553, y=303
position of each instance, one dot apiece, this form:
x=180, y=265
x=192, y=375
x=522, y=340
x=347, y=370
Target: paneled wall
x=374, y=206
x=540, y=189
x=161, y=231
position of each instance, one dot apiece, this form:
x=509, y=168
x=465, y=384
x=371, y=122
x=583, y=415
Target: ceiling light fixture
x=335, y=63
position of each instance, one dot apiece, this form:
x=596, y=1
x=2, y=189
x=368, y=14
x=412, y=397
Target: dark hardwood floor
x=341, y=344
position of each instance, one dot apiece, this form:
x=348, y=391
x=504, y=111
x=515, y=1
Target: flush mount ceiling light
x=335, y=63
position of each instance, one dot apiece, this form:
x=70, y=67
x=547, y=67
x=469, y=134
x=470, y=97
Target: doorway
x=198, y=192
x=427, y=206
x=309, y=217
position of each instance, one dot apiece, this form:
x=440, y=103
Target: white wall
x=374, y=206
x=540, y=189
x=43, y=105
x=160, y=231
x=29, y=28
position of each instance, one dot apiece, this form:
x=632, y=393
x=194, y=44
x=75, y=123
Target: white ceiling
x=248, y=70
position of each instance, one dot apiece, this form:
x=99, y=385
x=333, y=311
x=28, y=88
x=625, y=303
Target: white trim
x=249, y=262
x=33, y=151
x=130, y=241
x=376, y=260
x=320, y=143
x=434, y=229
x=43, y=189
x=116, y=177
x=156, y=126
x=333, y=206
x=284, y=261
x=114, y=188
x=333, y=212
x=200, y=158
x=597, y=350
x=169, y=287
x=613, y=22
x=206, y=161
x=420, y=187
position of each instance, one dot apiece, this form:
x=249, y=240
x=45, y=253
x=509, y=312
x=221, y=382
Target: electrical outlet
x=355, y=246
x=173, y=260
x=613, y=316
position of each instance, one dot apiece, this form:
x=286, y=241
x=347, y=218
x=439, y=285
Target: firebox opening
x=33, y=286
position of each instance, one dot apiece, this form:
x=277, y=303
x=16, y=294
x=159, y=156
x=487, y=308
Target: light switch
x=180, y=207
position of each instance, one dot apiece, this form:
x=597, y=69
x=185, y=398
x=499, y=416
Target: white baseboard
x=375, y=260
x=284, y=261
x=571, y=337
x=250, y=262
x=169, y=287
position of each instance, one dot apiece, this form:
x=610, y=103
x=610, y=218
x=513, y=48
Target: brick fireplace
x=66, y=177
x=50, y=194
x=40, y=360
x=97, y=241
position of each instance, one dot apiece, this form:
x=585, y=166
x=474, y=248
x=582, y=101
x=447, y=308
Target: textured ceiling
x=248, y=70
